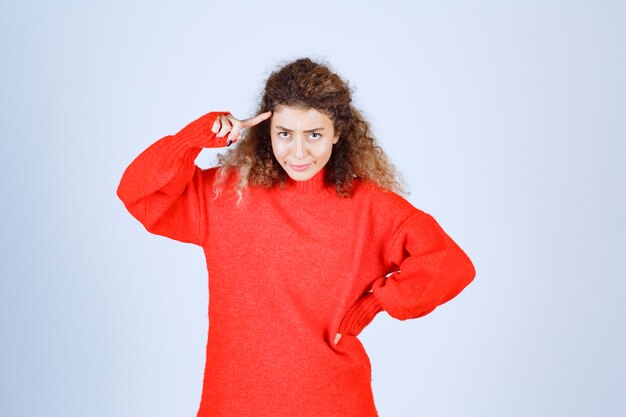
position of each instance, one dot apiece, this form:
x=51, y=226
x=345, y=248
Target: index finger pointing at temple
x=256, y=119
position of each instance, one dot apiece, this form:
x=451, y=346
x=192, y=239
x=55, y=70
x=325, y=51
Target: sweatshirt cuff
x=360, y=314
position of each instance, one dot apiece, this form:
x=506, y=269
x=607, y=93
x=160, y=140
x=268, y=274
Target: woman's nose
x=299, y=147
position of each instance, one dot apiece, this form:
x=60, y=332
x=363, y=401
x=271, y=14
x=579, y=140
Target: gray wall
x=507, y=121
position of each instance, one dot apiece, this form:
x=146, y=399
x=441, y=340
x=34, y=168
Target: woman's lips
x=299, y=167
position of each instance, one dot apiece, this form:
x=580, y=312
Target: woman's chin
x=301, y=173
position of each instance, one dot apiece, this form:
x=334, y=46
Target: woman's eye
x=280, y=135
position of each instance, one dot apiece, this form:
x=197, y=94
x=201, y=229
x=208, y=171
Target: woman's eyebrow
x=306, y=131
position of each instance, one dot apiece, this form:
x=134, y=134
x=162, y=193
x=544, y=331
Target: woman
x=306, y=239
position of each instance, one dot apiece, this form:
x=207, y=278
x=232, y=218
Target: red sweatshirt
x=288, y=270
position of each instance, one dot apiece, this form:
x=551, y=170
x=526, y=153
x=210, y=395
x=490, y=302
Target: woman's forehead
x=298, y=115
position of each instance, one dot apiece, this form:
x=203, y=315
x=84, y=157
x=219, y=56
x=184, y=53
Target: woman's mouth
x=299, y=167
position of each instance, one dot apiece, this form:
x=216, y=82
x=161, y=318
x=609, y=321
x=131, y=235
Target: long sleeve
x=428, y=269
x=164, y=189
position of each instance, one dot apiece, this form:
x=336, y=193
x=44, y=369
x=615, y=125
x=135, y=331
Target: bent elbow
x=463, y=268
x=469, y=272
x=121, y=193
x=461, y=276
x=124, y=191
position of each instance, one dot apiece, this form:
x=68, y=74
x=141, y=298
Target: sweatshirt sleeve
x=164, y=189
x=429, y=269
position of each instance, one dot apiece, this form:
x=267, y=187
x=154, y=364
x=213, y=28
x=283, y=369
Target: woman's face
x=302, y=140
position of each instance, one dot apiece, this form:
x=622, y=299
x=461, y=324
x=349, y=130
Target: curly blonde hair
x=306, y=84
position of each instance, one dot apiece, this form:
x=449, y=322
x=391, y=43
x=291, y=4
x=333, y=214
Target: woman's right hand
x=226, y=123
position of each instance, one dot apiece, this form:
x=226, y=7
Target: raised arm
x=164, y=189
x=429, y=269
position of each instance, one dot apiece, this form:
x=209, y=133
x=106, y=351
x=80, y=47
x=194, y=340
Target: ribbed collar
x=315, y=184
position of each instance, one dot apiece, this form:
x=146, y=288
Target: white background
x=506, y=119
